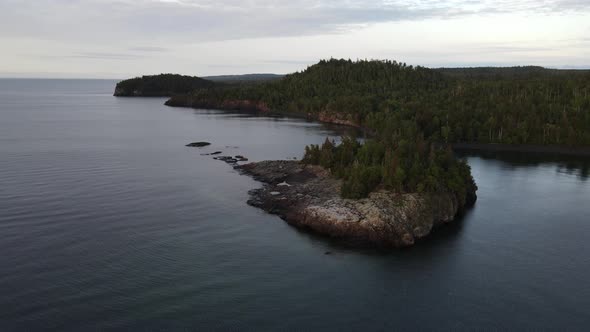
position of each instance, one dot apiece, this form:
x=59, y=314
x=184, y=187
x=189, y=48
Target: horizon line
x=32, y=77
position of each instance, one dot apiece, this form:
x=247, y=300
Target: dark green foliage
x=414, y=111
x=519, y=105
x=162, y=85
x=408, y=166
x=247, y=78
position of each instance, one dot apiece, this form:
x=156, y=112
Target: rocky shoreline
x=257, y=107
x=308, y=197
x=330, y=117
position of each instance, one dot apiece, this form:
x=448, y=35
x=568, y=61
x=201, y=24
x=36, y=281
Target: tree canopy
x=163, y=85
x=518, y=105
x=414, y=112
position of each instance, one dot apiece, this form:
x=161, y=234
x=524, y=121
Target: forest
x=414, y=112
x=518, y=105
x=163, y=85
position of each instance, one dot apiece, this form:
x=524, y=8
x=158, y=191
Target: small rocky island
x=307, y=196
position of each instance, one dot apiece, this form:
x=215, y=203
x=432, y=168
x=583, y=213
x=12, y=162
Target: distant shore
x=331, y=118
x=253, y=107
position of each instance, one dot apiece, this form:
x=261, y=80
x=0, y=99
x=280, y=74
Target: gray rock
x=313, y=201
x=198, y=144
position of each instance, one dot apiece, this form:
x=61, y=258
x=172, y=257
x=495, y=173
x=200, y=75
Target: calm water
x=108, y=222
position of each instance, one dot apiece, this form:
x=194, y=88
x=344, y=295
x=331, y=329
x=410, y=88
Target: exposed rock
x=241, y=158
x=337, y=118
x=231, y=160
x=228, y=159
x=312, y=200
x=198, y=144
x=212, y=153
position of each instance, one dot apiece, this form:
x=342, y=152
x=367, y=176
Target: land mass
x=168, y=85
x=163, y=85
x=394, y=187
x=245, y=78
x=514, y=105
x=308, y=196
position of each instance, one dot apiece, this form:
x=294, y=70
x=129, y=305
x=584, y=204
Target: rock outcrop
x=337, y=118
x=308, y=197
x=198, y=144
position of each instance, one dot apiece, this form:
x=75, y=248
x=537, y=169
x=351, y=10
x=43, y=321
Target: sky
x=125, y=38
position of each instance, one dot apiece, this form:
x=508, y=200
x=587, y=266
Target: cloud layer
x=37, y=34
x=207, y=20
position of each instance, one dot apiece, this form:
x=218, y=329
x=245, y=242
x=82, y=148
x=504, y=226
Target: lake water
x=108, y=222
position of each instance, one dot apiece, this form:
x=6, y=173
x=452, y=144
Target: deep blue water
x=108, y=222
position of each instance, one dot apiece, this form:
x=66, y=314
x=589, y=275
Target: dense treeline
x=512, y=73
x=245, y=78
x=406, y=166
x=520, y=105
x=163, y=85
x=414, y=111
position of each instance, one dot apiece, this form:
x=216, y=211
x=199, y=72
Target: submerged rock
x=198, y=144
x=312, y=200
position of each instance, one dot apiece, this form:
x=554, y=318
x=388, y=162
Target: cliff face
x=307, y=196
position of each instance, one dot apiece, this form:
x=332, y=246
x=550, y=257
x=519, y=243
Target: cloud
x=90, y=55
x=132, y=37
x=215, y=20
x=148, y=49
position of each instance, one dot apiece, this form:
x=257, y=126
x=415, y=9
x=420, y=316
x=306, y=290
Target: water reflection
x=578, y=166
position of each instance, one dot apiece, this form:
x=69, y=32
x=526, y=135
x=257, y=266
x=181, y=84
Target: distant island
x=395, y=186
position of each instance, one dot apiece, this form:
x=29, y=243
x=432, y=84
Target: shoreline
x=308, y=197
x=255, y=108
x=328, y=119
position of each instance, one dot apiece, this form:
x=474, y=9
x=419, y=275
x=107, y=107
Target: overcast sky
x=122, y=38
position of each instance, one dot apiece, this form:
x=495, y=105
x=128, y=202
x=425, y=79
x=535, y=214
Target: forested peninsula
x=414, y=115
x=163, y=85
x=518, y=105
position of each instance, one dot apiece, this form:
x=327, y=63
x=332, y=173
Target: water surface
x=108, y=222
